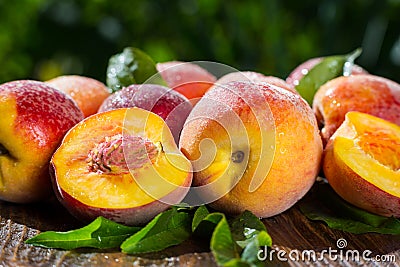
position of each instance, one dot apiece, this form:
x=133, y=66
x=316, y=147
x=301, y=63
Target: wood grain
x=291, y=232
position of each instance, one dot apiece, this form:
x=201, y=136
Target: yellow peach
x=362, y=163
x=253, y=146
x=122, y=164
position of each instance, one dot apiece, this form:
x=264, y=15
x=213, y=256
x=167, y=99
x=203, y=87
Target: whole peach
x=35, y=118
x=366, y=93
x=255, y=77
x=88, y=93
x=254, y=146
x=187, y=78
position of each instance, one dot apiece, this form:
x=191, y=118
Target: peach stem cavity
x=237, y=156
x=3, y=150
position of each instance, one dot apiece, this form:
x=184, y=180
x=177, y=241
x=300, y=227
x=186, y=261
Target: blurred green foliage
x=40, y=39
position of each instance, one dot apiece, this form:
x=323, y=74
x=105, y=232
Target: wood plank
x=291, y=232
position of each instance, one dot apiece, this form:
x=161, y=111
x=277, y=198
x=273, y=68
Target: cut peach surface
x=362, y=163
x=122, y=164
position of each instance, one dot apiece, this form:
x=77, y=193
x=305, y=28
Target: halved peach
x=362, y=163
x=122, y=164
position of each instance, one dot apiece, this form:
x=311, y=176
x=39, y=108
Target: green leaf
x=132, y=66
x=222, y=244
x=323, y=204
x=200, y=214
x=244, y=226
x=237, y=243
x=329, y=68
x=101, y=233
x=166, y=229
x=253, y=245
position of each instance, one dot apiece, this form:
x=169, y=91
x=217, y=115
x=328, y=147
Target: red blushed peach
x=251, y=76
x=34, y=119
x=122, y=164
x=253, y=146
x=170, y=105
x=362, y=163
x=187, y=78
x=300, y=71
x=366, y=93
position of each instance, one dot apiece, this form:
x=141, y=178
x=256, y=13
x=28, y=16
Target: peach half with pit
x=362, y=163
x=253, y=146
x=122, y=164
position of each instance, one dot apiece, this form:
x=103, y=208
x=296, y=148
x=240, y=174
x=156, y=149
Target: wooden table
x=292, y=233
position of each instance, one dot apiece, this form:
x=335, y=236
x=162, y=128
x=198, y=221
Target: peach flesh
x=113, y=165
x=382, y=147
x=361, y=162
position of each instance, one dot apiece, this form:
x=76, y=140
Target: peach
x=254, y=77
x=88, y=93
x=170, y=105
x=253, y=146
x=35, y=118
x=301, y=70
x=366, y=93
x=187, y=78
x=362, y=163
x=122, y=164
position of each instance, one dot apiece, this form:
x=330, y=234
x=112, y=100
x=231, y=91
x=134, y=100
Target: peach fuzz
x=187, y=78
x=243, y=133
x=362, y=163
x=366, y=93
x=255, y=77
x=122, y=164
x=88, y=93
x=35, y=118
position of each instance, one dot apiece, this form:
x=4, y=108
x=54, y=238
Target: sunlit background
x=41, y=39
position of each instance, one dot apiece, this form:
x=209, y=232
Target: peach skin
x=253, y=146
x=366, y=93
